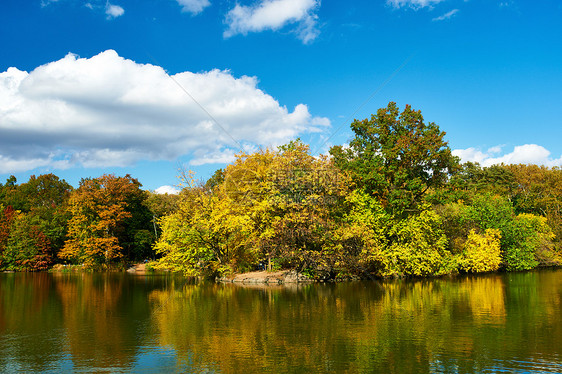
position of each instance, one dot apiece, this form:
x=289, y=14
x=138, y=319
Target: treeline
x=394, y=202
x=104, y=223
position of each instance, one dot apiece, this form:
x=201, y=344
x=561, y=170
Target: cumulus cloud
x=447, y=15
x=415, y=4
x=167, y=189
x=193, y=6
x=274, y=15
x=109, y=111
x=113, y=11
x=521, y=154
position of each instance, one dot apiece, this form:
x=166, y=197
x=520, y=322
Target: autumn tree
x=104, y=220
x=27, y=247
x=306, y=197
x=207, y=235
x=6, y=220
x=274, y=208
x=216, y=179
x=38, y=227
x=396, y=157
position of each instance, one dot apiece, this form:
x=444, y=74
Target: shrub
x=481, y=252
x=418, y=247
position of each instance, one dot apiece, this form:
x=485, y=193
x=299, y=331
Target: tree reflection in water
x=119, y=322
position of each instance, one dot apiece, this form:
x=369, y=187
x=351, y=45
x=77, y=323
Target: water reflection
x=119, y=322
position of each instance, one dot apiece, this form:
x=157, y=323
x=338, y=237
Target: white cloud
x=113, y=11
x=495, y=149
x=193, y=6
x=447, y=15
x=109, y=111
x=224, y=156
x=167, y=189
x=521, y=154
x=274, y=15
x=45, y=3
x=415, y=4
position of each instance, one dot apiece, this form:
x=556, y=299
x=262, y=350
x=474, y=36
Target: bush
x=481, y=252
x=419, y=246
x=528, y=235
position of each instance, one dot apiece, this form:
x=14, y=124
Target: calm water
x=128, y=323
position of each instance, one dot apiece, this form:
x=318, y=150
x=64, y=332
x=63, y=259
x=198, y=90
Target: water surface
x=161, y=323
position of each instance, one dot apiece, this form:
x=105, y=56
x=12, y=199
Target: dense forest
x=392, y=202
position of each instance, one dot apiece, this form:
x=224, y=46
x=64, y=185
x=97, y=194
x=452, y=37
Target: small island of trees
x=394, y=202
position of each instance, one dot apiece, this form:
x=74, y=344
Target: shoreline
x=266, y=277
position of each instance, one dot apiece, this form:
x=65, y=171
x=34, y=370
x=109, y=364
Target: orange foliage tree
x=100, y=213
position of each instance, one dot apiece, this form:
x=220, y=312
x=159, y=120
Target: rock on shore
x=275, y=277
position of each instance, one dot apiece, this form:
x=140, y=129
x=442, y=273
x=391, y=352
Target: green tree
x=46, y=198
x=27, y=248
x=397, y=157
x=472, y=179
x=7, y=215
x=160, y=205
x=216, y=179
x=525, y=239
x=9, y=194
x=362, y=234
x=539, y=192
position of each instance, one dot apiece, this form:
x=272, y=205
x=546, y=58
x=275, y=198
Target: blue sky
x=144, y=86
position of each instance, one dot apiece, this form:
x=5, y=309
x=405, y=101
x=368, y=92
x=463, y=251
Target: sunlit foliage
x=102, y=226
x=481, y=252
x=33, y=227
x=394, y=202
x=397, y=157
x=418, y=247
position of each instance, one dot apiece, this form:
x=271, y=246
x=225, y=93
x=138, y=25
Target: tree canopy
x=397, y=157
x=394, y=202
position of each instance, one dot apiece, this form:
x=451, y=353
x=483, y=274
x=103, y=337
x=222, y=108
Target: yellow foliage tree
x=481, y=252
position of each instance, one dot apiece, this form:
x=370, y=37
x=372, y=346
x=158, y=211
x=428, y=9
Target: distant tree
x=397, y=157
x=6, y=219
x=472, y=179
x=525, y=239
x=161, y=205
x=216, y=179
x=539, y=191
x=27, y=248
x=44, y=191
x=45, y=199
x=38, y=227
x=9, y=194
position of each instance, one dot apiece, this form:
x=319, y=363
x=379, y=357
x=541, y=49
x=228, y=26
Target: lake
x=163, y=323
